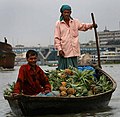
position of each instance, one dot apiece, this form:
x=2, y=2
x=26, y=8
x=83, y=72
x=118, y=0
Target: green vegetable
x=83, y=82
x=9, y=89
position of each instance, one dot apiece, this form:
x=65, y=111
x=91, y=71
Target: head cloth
x=64, y=7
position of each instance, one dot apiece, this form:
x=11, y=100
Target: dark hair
x=31, y=53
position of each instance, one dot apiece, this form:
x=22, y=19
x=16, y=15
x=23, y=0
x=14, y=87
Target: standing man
x=66, y=39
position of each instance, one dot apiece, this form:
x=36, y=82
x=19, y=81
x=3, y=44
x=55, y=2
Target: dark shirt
x=31, y=82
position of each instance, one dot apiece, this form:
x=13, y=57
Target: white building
x=106, y=36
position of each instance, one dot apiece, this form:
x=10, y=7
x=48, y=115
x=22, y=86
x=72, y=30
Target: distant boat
x=7, y=56
x=53, y=65
x=110, y=56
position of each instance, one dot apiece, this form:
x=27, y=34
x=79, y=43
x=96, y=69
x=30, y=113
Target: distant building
x=19, y=46
x=107, y=37
x=109, y=43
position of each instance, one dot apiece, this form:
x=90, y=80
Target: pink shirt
x=66, y=37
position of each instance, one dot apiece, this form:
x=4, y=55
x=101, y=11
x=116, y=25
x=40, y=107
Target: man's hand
x=61, y=53
x=94, y=25
x=46, y=91
x=15, y=94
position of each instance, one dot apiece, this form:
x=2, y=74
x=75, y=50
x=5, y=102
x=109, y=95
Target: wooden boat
x=32, y=105
x=7, y=56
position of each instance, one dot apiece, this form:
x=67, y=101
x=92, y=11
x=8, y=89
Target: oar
x=97, y=43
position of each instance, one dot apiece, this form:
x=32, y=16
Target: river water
x=114, y=105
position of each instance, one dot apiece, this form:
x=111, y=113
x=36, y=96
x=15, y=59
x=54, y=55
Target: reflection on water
x=113, y=110
x=99, y=113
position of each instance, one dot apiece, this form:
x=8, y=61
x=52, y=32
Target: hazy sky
x=32, y=22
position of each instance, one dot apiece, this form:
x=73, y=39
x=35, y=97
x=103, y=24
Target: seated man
x=31, y=78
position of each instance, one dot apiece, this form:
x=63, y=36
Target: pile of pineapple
x=72, y=82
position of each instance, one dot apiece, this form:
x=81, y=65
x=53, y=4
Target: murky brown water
x=112, y=111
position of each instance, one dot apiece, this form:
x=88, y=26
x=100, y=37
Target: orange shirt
x=31, y=82
x=66, y=37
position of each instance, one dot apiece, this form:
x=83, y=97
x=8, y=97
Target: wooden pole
x=97, y=42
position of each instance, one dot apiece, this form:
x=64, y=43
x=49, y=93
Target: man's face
x=32, y=60
x=66, y=14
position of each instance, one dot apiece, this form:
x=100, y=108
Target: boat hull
x=51, y=105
